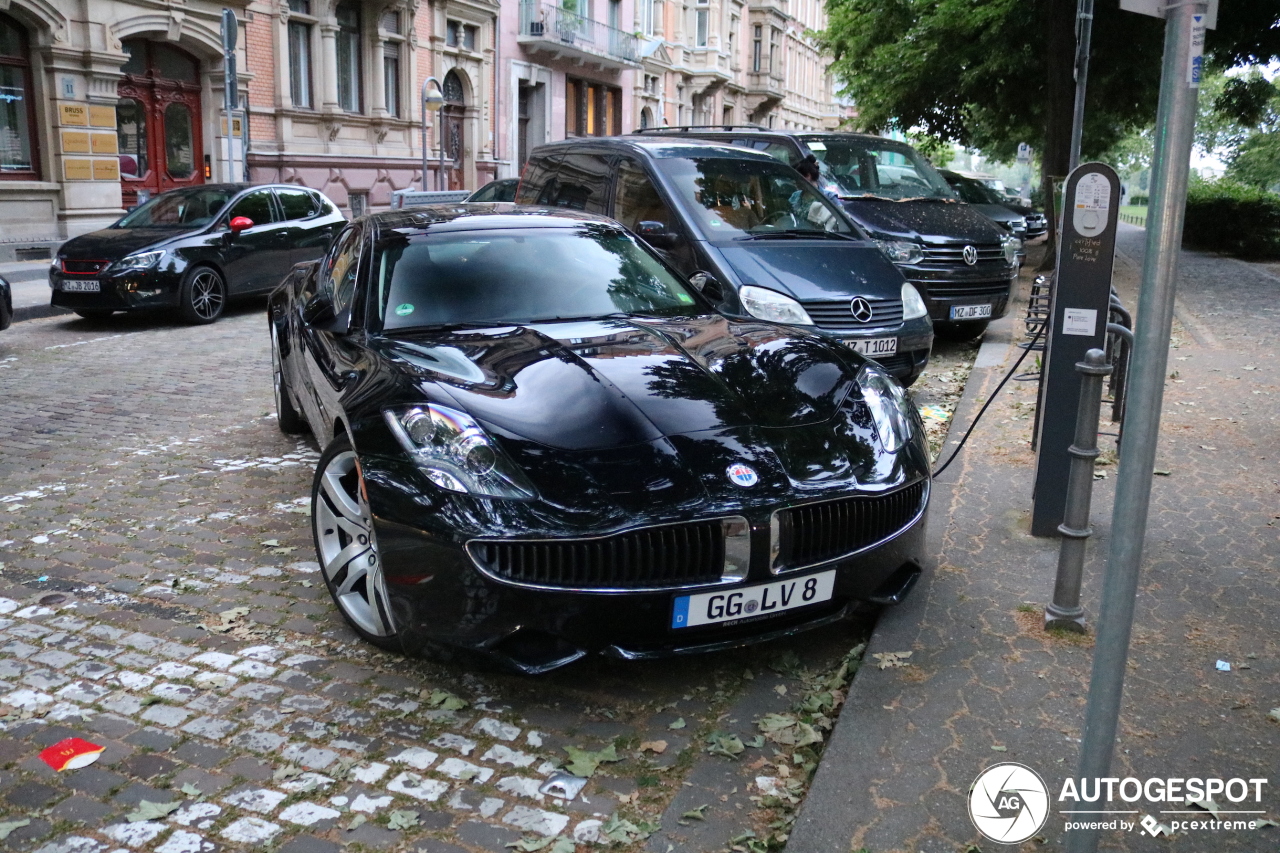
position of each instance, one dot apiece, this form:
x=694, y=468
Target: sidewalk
x=986, y=685
x=29, y=281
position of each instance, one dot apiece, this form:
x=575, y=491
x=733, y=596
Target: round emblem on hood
x=743, y=475
x=861, y=310
x=970, y=255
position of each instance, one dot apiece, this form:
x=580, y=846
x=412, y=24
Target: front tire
x=290, y=422
x=203, y=296
x=347, y=546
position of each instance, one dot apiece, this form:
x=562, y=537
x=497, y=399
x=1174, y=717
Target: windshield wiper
x=796, y=234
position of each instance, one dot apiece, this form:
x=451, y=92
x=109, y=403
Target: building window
x=458, y=34
x=350, y=79
x=392, y=48
x=300, y=55
x=701, y=23
x=774, y=36
x=17, y=108
x=757, y=47
x=592, y=109
x=359, y=203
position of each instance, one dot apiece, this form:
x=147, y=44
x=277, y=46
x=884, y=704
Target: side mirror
x=240, y=223
x=708, y=285
x=318, y=310
x=657, y=235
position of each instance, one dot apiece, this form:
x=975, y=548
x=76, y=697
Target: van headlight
x=901, y=251
x=1010, y=244
x=456, y=453
x=890, y=409
x=773, y=306
x=913, y=306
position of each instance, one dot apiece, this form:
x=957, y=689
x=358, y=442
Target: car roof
x=475, y=216
x=667, y=132
x=658, y=146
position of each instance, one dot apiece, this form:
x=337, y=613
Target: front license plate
x=970, y=312
x=875, y=347
x=712, y=608
x=82, y=286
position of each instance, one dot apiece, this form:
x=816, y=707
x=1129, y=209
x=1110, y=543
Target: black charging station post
x=1078, y=323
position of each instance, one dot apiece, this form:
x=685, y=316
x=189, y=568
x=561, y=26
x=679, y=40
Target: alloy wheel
x=206, y=295
x=349, y=549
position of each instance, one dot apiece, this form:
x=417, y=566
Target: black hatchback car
x=193, y=249
x=752, y=233
x=961, y=262
x=540, y=442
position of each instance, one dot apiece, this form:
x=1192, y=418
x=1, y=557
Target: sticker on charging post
x=1079, y=321
x=1195, y=63
x=1089, y=209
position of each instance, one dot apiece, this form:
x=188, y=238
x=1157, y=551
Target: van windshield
x=735, y=198
x=853, y=167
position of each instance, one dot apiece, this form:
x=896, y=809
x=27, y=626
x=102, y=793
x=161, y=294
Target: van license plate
x=875, y=347
x=766, y=599
x=970, y=312
x=82, y=286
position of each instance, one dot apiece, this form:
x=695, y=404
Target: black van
x=757, y=238
x=963, y=263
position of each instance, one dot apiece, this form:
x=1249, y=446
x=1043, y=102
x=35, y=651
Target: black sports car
x=539, y=441
x=193, y=249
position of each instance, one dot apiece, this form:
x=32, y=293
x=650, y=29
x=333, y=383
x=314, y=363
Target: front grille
x=816, y=533
x=954, y=255
x=655, y=557
x=967, y=289
x=83, y=267
x=899, y=363
x=837, y=315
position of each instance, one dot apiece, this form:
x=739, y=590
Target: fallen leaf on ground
x=402, y=819
x=148, y=810
x=583, y=762
x=698, y=813
x=678, y=723
x=657, y=746
x=887, y=659
x=9, y=826
x=723, y=743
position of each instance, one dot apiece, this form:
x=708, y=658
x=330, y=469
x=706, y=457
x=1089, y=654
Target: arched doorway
x=451, y=116
x=158, y=120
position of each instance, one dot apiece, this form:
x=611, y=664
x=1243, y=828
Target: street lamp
x=432, y=101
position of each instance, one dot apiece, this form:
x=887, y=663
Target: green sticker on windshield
x=684, y=298
x=404, y=310
x=716, y=223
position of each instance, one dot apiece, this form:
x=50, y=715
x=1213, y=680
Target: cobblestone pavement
x=986, y=684
x=159, y=598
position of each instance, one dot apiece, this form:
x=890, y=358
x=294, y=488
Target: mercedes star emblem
x=861, y=310
x=970, y=255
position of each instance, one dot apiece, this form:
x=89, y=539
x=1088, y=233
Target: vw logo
x=742, y=475
x=970, y=255
x=1008, y=803
x=861, y=310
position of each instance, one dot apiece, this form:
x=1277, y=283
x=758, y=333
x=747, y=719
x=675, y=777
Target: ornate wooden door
x=451, y=116
x=158, y=121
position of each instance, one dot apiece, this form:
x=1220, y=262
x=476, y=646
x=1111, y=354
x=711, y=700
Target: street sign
x=1156, y=9
x=230, y=29
x=1024, y=153
x=1081, y=305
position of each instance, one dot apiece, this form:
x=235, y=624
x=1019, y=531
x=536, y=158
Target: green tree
x=994, y=73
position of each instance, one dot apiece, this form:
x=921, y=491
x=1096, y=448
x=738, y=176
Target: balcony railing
x=545, y=21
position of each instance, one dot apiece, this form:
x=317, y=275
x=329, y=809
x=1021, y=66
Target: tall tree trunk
x=1059, y=26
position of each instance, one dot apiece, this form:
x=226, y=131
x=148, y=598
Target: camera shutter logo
x=861, y=310
x=970, y=255
x=1008, y=803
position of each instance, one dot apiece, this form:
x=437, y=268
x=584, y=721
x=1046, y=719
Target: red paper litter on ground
x=71, y=754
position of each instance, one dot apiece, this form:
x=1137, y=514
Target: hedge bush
x=1224, y=216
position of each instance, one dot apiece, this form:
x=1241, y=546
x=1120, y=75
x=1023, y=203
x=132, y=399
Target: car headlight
x=140, y=261
x=1010, y=245
x=456, y=453
x=890, y=409
x=773, y=306
x=913, y=306
x=901, y=251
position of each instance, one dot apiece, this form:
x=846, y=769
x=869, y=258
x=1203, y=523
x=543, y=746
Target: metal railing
x=545, y=20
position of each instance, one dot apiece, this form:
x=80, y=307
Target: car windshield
x=976, y=192
x=854, y=167
x=191, y=208
x=736, y=198
x=519, y=276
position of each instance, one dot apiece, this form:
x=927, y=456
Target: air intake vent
x=815, y=533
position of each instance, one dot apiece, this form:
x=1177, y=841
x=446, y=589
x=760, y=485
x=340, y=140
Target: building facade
x=105, y=102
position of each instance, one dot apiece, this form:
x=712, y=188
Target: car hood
x=930, y=221
x=588, y=385
x=815, y=269
x=997, y=212
x=115, y=243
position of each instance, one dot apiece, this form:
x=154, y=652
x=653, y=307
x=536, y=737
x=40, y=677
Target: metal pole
x=1065, y=611
x=1175, y=123
x=422, y=103
x=1084, y=31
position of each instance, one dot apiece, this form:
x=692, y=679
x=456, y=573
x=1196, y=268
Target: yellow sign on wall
x=77, y=169
x=74, y=115
x=106, y=170
x=75, y=142
x=102, y=115
x=104, y=143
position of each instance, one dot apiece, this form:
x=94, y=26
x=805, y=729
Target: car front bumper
x=124, y=291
